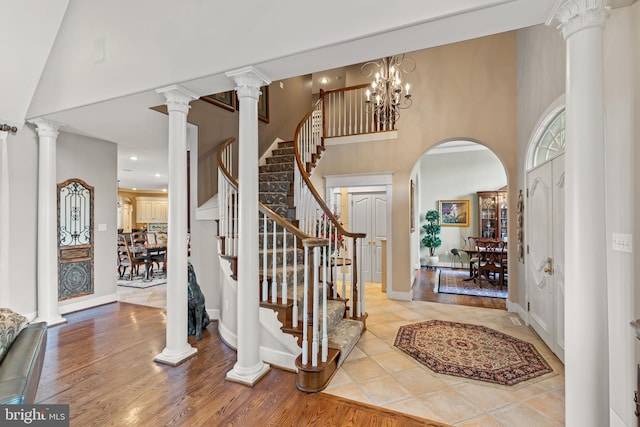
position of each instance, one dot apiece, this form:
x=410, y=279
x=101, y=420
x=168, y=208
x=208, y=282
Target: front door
x=545, y=252
x=369, y=215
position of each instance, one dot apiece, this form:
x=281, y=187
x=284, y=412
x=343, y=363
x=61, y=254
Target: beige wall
x=287, y=105
x=464, y=90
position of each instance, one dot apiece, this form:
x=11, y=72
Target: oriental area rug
x=471, y=351
x=453, y=282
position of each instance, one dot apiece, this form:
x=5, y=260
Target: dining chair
x=473, y=256
x=128, y=258
x=491, y=256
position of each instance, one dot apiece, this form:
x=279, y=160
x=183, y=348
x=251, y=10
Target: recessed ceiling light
x=324, y=80
x=134, y=188
x=157, y=175
x=133, y=157
x=164, y=189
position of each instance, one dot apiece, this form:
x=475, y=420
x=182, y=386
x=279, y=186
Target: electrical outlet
x=622, y=242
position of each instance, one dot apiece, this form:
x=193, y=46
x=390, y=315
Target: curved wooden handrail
x=261, y=207
x=346, y=89
x=314, y=192
x=230, y=178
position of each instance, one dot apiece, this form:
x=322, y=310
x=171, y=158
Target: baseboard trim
x=214, y=313
x=514, y=307
x=400, y=296
x=228, y=336
x=89, y=303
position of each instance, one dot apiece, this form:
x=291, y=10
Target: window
x=550, y=142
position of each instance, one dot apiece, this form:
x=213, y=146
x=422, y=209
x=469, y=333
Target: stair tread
x=344, y=336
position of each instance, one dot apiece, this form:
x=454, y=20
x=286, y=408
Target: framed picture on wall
x=454, y=213
x=226, y=100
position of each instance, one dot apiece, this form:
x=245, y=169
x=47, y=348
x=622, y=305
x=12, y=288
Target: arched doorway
x=463, y=172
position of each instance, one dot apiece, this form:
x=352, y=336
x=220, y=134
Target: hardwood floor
x=423, y=290
x=101, y=364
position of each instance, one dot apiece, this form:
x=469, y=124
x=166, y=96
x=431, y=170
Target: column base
x=242, y=376
x=51, y=321
x=174, y=358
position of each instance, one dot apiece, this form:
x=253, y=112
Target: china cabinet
x=492, y=214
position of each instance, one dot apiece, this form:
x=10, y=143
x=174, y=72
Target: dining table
x=148, y=251
x=472, y=251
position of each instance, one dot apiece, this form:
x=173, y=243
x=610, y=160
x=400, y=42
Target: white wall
x=541, y=74
x=94, y=161
x=91, y=160
x=621, y=80
x=541, y=81
x=456, y=176
x=23, y=190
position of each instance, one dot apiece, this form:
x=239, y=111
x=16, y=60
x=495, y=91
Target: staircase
x=276, y=180
x=303, y=252
x=276, y=192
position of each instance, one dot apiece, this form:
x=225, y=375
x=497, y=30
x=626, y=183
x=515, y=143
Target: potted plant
x=432, y=240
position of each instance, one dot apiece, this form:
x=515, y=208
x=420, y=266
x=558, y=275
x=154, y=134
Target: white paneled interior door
x=368, y=214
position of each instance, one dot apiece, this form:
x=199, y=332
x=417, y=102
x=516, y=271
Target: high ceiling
x=93, y=66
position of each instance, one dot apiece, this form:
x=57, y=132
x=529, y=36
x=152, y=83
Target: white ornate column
x=47, y=275
x=586, y=337
x=249, y=367
x=177, y=348
x=5, y=300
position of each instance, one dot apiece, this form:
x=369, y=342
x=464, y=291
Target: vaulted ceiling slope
x=96, y=72
x=27, y=33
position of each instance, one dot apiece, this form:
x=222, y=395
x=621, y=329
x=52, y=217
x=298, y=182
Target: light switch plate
x=102, y=227
x=622, y=242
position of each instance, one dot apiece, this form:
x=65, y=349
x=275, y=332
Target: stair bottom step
x=313, y=379
x=342, y=339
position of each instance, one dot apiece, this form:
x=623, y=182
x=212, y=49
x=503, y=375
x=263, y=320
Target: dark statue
x=197, y=315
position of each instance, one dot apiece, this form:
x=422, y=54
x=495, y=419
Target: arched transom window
x=550, y=142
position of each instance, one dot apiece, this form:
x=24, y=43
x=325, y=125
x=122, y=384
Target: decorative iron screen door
x=75, y=239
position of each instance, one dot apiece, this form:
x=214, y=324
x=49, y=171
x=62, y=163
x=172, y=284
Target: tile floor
x=377, y=373
x=155, y=296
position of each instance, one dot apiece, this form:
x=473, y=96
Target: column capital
x=46, y=128
x=249, y=80
x=576, y=15
x=178, y=98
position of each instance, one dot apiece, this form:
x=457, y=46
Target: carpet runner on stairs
x=276, y=191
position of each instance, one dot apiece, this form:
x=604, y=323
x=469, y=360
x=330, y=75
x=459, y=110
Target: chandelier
x=387, y=95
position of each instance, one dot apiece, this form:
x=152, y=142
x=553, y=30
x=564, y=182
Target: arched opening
x=453, y=177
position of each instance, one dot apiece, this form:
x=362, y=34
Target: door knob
x=549, y=269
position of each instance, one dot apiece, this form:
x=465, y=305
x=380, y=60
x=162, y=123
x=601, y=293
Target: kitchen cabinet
x=151, y=210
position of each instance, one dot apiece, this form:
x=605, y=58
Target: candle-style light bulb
x=368, y=93
x=406, y=89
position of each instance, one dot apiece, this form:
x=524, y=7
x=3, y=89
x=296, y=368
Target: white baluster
x=295, y=281
x=350, y=112
x=325, y=337
x=316, y=289
x=274, y=280
x=265, y=283
x=305, y=309
x=344, y=268
x=284, y=266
